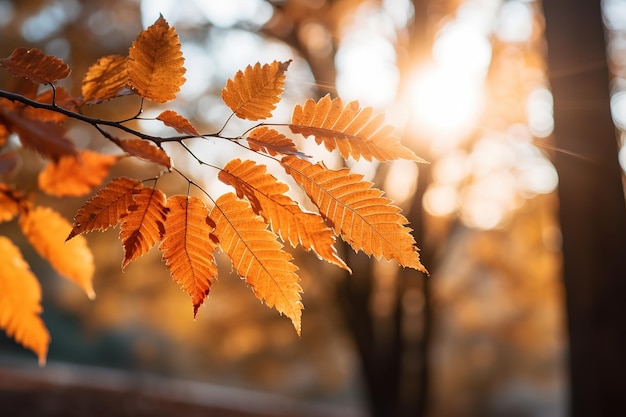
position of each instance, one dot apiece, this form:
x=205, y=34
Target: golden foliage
x=20, y=297
x=35, y=65
x=45, y=230
x=257, y=256
x=9, y=203
x=75, y=175
x=187, y=249
x=253, y=93
x=155, y=64
x=358, y=212
x=106, y=79
x=181, y=124
x=349, y=129
x=145, y=150
x=264, y=139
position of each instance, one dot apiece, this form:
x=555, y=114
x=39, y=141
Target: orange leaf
x=182, y=125
x=46, y=138
x=9, y=203
x=106, y=79
x=253, y=94
x=104, y=209
x=75, y=175
x=61, y=99
x=155, y=64
x=257, y=256
x=142, y=226
x=358, y=212
x=264, y=139
x=45, y=229
x=284, y=215
x=35, y=65
x=145, y=150
x=20, y=297
x=187, y=248
x=351, y=130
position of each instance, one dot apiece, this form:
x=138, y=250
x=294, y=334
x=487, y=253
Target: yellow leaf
x=155, y=64
x=106, y=79
x=253, y=93
x=172, y=119
x=45, y=230
x=75, y=175
x=142, y=226
x=257, y=256
x=35, y=65
x=187, y=248
x=9, y=203
x=268, y=198
x=145, y=150
x=358, y=212
x=104, y=209
x=20, y=297
x=351, y=130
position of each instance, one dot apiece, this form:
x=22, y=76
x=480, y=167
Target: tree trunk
x=592, y=213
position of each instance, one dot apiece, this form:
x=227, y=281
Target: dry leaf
x=253, y=93
x=155, y=64
x=45, y=230
x=257, y=256
x=106, y=79
x=187, y=248
x=35, y=65
x=145, y=150
x=351, y=130
x=143, y=225
x=20, y=297
x=264, y=139
x=75, y=175
x=357, y=212
x=104, y=209
x=182, y=125
x=268, y=198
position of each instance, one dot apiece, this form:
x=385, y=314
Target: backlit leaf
x=75, y=175
x=253, y=93
x=349, y=129
x=187, y=248
x=106, y=79
x=268, y=198
x=264, y=139
x=143, y=225
x=35, y=65
x=145, y=150
x=155, y=64
x=257, y=256
x=172, y=119
x=45, y=230
x=9, y=203
x=104, y=209
x=20, y=298
x=61, y=99
x=357, y=212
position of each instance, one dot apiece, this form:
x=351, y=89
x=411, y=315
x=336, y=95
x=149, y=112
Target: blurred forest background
x=520, y=216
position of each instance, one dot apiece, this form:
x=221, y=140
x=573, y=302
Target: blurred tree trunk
x=592, y=213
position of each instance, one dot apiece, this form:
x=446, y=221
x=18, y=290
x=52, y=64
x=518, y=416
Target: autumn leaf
x=187, y=249
x=35, y=65
x=45, y=230
x=46, y=138
x=182, y=125
x=145, y=150
x=8, y=161
x=61, y=99
x=257, y=256
x=75, y=175
x=20, y=298
x=286, y=218
x=155, y=64
x=104, y=209
x=357, y=212
x=142, y=226
x=264, y=139
x=106, y=79
x=9, y=203
x=253, y=93
x=349, y=129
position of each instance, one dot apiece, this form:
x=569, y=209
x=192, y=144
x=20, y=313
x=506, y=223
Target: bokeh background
x=467, y=86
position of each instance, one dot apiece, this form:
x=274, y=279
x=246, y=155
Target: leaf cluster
x=250, y=225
